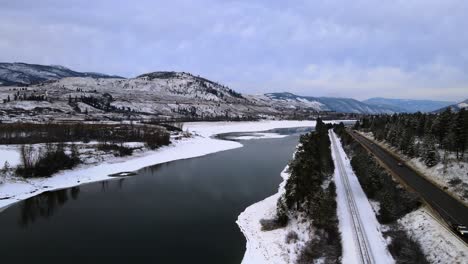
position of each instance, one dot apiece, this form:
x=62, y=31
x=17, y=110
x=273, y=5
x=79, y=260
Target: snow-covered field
x=371, y=229
x=270, y=247
x=440, y=174
x=438, y=244
x=202, y=143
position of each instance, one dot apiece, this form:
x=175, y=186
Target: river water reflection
x=177, y=212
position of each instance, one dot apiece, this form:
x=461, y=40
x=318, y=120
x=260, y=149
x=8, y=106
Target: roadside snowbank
x=202, y=144
x=437, y=243
x=270, y=247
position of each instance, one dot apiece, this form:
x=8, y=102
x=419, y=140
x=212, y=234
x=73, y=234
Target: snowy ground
x=438, y=244
x=201, y=144
x=270, y=247
x=356, y=244
x=453, y=172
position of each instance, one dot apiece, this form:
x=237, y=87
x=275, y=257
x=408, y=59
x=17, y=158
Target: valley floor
x=15, y=189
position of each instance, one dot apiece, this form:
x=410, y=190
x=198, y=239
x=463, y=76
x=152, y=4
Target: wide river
x=178, y=212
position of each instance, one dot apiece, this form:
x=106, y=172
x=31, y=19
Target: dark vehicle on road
x=461, y=230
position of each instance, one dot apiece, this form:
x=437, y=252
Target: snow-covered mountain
x=162, y=95
x=25, y=74
x=408, y=105
x=455, y=107
x=158, y=94
x=341, y=105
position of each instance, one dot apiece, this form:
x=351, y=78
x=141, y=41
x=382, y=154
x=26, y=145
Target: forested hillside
x=421, y=135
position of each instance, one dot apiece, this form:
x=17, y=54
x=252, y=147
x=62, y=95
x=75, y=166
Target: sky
x=359, y=49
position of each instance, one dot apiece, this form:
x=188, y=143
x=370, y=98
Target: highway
x=449, y=208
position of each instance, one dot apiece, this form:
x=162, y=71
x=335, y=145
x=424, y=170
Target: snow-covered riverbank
x=270, y=247
x=201, y=144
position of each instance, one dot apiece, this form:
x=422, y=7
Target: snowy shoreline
x=270, y=247
x=203, y=143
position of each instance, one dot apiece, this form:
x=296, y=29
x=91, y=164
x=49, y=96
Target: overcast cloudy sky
x=359, y=48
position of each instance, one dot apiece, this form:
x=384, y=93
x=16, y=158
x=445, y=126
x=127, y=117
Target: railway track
x=359, y=233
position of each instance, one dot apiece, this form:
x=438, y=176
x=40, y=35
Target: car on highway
x=461, y=230
x=400, y=164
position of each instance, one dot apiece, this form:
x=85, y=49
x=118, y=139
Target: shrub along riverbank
x=54, y=152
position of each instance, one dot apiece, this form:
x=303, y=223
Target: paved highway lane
x=448, y=207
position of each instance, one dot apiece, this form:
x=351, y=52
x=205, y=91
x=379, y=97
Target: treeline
x=311, y=192
x=45, y=161
x=422, y=135
x=395, y=201
x=31, y=133
x=17, y=96
x=103, y=103
x=203, y=118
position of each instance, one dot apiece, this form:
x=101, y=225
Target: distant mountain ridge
x=408, y=105
x=19, y=73
x=455, y=107
x=60, y=91
x=342, y=105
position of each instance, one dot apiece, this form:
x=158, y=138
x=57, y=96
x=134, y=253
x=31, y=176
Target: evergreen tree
x=357, y=126
x=431, y=156
x=460, y=133
x=441, y=125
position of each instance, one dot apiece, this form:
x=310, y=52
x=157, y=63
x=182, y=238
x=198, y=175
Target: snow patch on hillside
x=463, y=105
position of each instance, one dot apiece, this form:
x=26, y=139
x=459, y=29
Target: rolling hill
x=26, y=74
x=455, y=107
x=408, y=105
x=42, y=92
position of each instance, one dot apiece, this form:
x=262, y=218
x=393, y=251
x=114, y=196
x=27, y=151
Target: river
x=178, y=212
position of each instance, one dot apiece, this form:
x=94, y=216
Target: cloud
x=342, y=48
x=445, y=83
